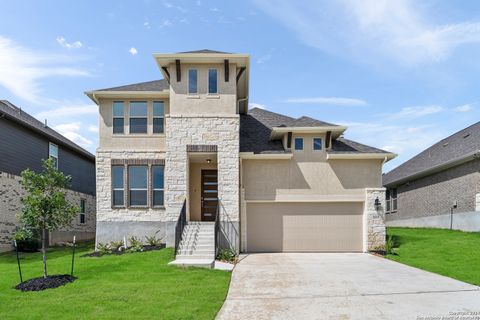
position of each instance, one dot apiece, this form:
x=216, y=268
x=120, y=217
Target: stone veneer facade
x=374, y=219
x=11, y=192
x=221, y=131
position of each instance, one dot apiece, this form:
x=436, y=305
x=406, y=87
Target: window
x=117, y=186
x=138, y=117
x=317, y=144
x=137, y=185
x=298, y=143
x=157, y=178
x=192, y=81
x=212, y=81
x=118, y=117
x=53, y=153
x=82, y=210
x=158, y=116
x=391, y=198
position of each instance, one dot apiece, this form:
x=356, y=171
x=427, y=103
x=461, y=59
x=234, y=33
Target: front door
x=209, y=195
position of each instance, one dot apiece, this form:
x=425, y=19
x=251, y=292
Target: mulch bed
x=379, y=253
x=145, y=248
x=50, y=282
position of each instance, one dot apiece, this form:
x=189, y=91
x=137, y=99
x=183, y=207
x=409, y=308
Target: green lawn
x=453, y=254
x=131, y=286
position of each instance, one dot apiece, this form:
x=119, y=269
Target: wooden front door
x=209, y=195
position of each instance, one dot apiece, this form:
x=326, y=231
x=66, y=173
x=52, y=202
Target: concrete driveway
x=342, y=286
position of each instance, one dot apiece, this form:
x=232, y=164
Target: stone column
x=374, y=219
x=477, y=202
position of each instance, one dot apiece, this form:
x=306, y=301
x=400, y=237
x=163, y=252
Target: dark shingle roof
x=342, y=145
x=256, y=127
x=18, y=115
x=205, y=51
x=155, y=85
x=456, y=146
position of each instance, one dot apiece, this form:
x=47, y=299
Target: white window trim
x=119, y=189
x=136, y=117
x=158, y=117
x=192, y=94
x=313, y=144
x=295, y=146
x=212, y=94
x=390, y=201
x=117, y=117
x=50, y=144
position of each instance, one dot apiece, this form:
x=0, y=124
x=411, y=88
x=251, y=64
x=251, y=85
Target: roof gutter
x=352, y=156
x=265, y=156
x=446, y=165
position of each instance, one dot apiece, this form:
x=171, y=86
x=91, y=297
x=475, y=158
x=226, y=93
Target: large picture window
x=212, y=81
x=138, y=185
x=192, y=81
x=118, y=186
x=158, y=116
x=158, y=186
x=138, y=117
x=118, y=117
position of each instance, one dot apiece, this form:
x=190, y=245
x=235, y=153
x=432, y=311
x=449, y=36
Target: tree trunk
x=44, y=252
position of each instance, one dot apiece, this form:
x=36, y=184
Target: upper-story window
x=138, y=117
x=53, y=153
x=118, y=117
x=212, y=81
x=192, y=81
x=299, y=144
x=158, y=116
x=317, y=144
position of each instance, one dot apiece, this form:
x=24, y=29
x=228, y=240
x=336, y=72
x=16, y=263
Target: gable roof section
x=21, y=117
x=205, y=51
x=457, y=147
x=256, y=127
x=155, y=85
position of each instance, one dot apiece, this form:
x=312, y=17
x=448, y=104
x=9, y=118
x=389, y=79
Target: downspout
x=238, y=103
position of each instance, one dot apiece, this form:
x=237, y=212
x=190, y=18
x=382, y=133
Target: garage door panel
x=304, y=227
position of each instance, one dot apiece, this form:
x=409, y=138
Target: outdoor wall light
x=209, y=160
x=377, y=204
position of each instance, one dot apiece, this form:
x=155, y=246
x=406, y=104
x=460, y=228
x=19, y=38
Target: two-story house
x=24, y=143
x=184, y=158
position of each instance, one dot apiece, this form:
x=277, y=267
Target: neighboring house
x=25, y=142
x=440, y=186
x=180, y=149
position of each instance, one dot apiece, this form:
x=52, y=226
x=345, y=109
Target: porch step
x=197, y=246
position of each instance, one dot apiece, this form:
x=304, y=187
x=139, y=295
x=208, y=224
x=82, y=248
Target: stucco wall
x=127, y=141
x=434, y=194
x=11, y=192
x=308, y=175
x=202, y=103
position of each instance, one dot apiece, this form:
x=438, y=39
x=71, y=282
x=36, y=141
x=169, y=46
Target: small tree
x=45, y=206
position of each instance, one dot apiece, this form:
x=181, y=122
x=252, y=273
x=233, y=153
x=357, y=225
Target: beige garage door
x=304, y=227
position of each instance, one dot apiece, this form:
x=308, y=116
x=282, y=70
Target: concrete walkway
x=341, y=286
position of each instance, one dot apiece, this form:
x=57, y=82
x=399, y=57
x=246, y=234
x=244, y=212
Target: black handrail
x=181, y=222
x=217, y=228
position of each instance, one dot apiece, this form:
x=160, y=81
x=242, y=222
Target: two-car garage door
x=304, y=227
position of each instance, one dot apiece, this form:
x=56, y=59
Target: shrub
x=389, y=245
x=226, y=255
x=103, y=248
x=153, y=241
x=116, y=245
x=135, y=244
x=27, y=241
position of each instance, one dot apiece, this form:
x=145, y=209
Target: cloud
x=22, y=69
x=146, y=24
x=71, y=131
x=166, y=23
x=68, y=110
x=133, y=51
x=214, y=9
x=257, y=105
x=463, y=108
x=74, y=45
x=403, y=31
x=336, y=101
x=93, y=128
x=417, y=111
x=265, y=57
